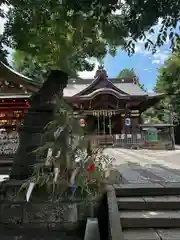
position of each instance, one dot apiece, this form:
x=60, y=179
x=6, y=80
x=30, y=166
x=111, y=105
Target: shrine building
x=111, y=108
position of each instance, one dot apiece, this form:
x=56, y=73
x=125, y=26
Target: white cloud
x=2, y=20
x=1, y=25
x=4, y=7
x=147, y=69
x=156, y=61
x=139, y=48
x=160, y=57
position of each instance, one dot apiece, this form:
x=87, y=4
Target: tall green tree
x=127, y=73
x=136, y=20
x=27, y=65
x=3, y=41
x=152, y=114
x=64, y=39
x=130, y=73
x=3, y=52
x=65, y=34
x=168, y=82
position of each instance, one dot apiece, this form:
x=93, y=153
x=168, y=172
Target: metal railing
x=9, y=144
x=129, y=140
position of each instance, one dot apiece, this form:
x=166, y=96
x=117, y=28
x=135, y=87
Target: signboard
x=152, y=134
x=127, y=121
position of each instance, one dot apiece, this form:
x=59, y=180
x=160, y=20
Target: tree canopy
x=168, y=82
x=3, y=52
x=127, y=73
x=3, y=41
x=28, y=66
x=66, y=33
x=130, y=73
x=156, y=114
x=62, y=38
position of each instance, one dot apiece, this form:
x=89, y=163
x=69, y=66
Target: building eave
x=9, y=74
x=150, y=101
x=15, y=96
x=158, y=125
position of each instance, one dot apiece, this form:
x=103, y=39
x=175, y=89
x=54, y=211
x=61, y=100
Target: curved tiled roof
x=76, y=85
x=104, y=91
x=9, y=74
x=131, y=89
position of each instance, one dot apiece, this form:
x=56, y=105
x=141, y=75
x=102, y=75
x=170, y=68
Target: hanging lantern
x=82, y=122
x=27, y=104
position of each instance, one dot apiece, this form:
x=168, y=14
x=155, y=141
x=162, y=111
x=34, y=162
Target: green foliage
x=127, y=73
x=3, y=41
x=66, y=33
x=27, y=65
x=62, y=38
x=152, y=115
x=141, y=16
x=156, y=114
x=3, y=52
x=169, y=82
x=130, y=73
x=68, y=164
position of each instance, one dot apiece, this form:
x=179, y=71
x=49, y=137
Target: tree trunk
x=38, y=116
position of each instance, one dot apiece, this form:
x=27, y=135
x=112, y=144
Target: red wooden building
x=111, y=107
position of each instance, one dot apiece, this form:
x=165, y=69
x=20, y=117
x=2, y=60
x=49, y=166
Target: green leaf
x=171, y=35
x=146, y=45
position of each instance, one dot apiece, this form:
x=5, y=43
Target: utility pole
x=171, y=121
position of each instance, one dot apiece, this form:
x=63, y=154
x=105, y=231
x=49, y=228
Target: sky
x=143, y=62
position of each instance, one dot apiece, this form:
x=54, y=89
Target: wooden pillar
x=98, y=124
x=110, y=126
x=104, y=124
x=135, y=128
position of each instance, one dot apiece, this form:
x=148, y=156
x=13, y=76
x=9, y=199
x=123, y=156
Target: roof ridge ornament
x=134, y=80
x=101, y=71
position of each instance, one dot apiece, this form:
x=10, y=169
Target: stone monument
x=37, y=117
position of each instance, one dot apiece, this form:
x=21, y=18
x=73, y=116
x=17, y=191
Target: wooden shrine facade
x=111, y=107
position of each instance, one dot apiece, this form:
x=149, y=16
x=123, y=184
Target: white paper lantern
x=82, y=122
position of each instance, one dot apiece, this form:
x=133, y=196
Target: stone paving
x=147, y=166
x=144, y=166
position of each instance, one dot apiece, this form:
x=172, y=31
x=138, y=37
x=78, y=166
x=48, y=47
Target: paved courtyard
x=144, y=166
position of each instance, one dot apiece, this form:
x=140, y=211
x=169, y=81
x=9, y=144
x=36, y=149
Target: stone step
x=38, y=234
x=6, y=162
x=150, y=219
x=5, y=170
x=152, y=234
x=149, y=203
x=147, y=189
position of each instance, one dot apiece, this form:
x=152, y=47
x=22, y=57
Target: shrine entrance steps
x=147, y=211
x=5, y=164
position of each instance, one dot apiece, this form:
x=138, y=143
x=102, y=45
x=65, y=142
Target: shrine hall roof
x=75, y=85
x=125, y=85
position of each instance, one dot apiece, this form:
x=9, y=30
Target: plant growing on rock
x=66, y=160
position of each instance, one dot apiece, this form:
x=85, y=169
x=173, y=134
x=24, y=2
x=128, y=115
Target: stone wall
x=42, y=214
